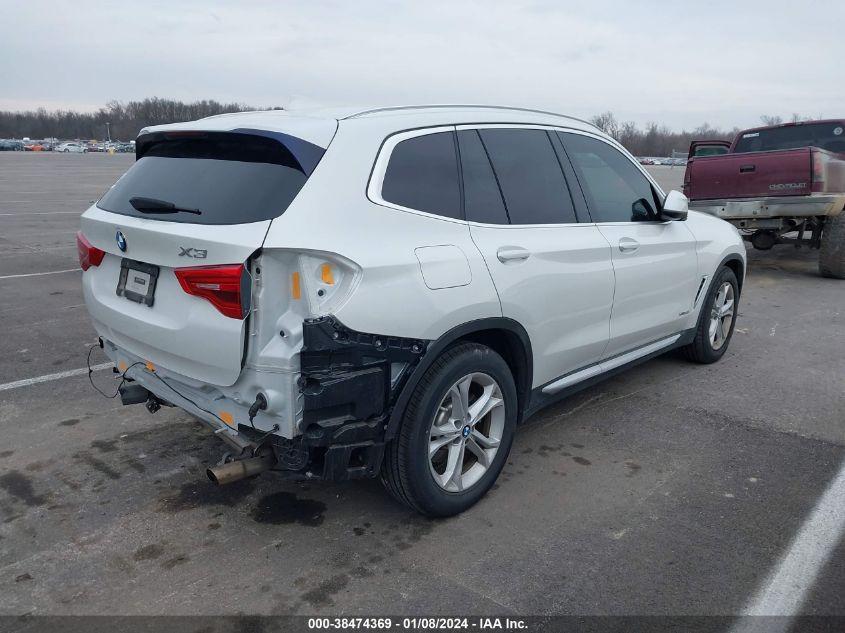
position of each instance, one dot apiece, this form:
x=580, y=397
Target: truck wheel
x=456, y=433
x=832, y=253
x=717, y=319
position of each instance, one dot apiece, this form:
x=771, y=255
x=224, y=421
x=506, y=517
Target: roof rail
x=464, y=105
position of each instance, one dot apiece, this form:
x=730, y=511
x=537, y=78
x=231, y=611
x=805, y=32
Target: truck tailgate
x=750, y=175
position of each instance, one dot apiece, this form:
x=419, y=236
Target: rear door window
x=482, y=197
x=422, y=174
x=530, y=176
x=209, y=178
x=615, y=188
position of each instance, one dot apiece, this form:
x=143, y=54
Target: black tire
x=832, y=252
x=702, y=349
x=406, y=471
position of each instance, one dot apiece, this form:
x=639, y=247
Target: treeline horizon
x=659, y=141
x=126, y=118
x=655, y=139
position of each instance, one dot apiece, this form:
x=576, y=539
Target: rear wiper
x=153, y=205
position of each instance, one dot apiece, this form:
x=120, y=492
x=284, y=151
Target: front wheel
x=456, y=432
x=717, y=319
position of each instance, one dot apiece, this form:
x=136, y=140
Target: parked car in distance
x=521, y=256
x=118, y=147
x=774, y=181
x=34, y=146
x=11, y=145
x=71, y=147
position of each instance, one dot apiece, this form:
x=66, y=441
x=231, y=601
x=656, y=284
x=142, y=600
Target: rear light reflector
x=295, y=286
x=88, y=255
x=818, y=171
x=227, y=288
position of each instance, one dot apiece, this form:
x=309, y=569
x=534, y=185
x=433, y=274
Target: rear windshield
x=710, y=150
x=829, y=136
x=211, y=178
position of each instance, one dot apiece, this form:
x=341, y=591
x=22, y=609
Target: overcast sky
x=675, y=62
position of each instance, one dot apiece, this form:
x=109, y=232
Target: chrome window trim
x=379, y=170
x=376, y=183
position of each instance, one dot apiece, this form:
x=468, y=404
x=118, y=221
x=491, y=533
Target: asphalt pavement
x=672, y=488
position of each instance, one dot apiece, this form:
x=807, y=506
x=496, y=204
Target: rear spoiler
x=307, y=154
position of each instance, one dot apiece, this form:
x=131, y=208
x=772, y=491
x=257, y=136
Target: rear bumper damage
x=350, y=381
x=348, y=384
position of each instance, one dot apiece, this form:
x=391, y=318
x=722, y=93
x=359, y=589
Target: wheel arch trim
x=734, y=258
x=467, y=331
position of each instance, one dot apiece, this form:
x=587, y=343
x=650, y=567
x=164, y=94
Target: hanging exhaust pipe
x=242, y=468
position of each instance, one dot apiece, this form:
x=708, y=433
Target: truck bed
x=756, y=174
x=765, y=176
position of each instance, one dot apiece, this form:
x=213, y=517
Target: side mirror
x=675, y=206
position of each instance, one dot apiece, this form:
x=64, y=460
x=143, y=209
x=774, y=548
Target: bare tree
x=656, y=139
x=607, y=123
x=769, y=119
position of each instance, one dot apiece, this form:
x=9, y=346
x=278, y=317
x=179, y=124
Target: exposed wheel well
x=511, y=348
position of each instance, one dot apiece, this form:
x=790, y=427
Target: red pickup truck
x=782, y=184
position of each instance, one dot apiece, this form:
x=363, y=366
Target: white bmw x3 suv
x=390, y=292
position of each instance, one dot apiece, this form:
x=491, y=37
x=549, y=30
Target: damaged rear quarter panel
x=349, y=380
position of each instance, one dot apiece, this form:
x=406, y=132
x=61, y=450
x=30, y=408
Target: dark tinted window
x=616, y=190
x=710, y=150
x=482, y=198
x=529, y=174
x=229, y=178
x=423, y=174
x=829, y=136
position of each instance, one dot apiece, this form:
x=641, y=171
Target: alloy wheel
x=466, y=432
x=721, y=315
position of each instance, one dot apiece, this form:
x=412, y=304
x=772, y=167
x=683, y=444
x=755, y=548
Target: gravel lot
x=670, y=489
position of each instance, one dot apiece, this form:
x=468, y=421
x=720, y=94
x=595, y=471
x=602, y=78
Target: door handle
x=628, y=245
x=747, y=169
x=512, y=254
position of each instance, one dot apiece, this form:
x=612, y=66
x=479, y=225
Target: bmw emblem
x=121, y=241
x=466, y=431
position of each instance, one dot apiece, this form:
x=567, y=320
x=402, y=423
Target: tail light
x=227, y=288
x=88, y=255
x=818, y=170
x=686, y=186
